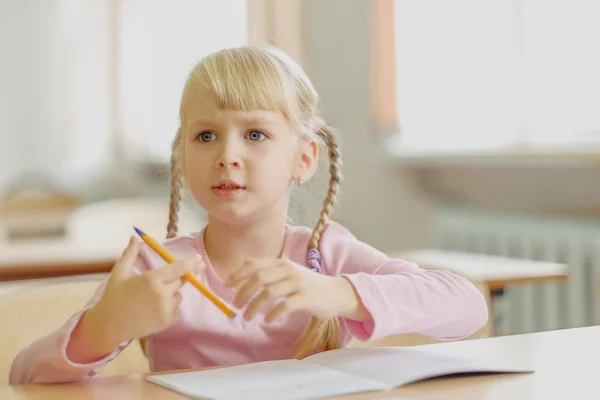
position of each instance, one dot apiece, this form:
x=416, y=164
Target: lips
x=228, y=185
x=228, y=189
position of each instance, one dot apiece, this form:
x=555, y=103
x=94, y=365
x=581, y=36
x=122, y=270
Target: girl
x=249, y=130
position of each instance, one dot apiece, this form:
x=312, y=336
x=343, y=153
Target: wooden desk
x=96, y=235
x=563, y=361
x=60, y=257
x=496, y=272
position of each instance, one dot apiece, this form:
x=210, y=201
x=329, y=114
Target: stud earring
x=299, y=181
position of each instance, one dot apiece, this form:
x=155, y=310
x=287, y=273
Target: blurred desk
x=57, y=257
x=497, y=272
x=96, y=235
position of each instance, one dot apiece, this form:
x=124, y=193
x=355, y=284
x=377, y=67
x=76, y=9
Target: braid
x=335, y=162
x=176, y=187
x=175, y=202
x=323, y=334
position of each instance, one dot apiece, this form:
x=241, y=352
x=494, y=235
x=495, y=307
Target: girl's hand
x=135, y=306
x=285, y=287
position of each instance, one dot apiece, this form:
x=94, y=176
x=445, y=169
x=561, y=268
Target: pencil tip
x=139, y=232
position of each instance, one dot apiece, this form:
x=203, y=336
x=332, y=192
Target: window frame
x=386, y=121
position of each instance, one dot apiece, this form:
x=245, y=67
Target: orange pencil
x=161, y=251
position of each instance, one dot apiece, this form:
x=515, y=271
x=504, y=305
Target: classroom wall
x=379, y=202
x=383, y=204
x=394, y=204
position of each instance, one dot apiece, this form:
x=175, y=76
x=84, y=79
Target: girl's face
x=239, y=164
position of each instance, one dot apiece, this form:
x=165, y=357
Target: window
x=159, y=42
x=495, y=75
x=87, y=79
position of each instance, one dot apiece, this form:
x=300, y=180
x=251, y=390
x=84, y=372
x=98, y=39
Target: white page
x=277, y=380
x=397, y=366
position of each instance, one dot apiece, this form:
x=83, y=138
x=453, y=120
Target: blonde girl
x=250, y=130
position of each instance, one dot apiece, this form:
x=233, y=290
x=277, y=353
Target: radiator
x=533, y=307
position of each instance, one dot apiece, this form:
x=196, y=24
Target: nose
x=223, y=164
x=229, y=156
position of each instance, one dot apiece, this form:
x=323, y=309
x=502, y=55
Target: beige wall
x=394, y=205
x=378, y=203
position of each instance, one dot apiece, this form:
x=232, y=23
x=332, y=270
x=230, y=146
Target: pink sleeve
x=401, y=297
x=45, y=360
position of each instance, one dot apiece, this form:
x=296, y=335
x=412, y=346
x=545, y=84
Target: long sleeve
x=45, y=360
x=401, y=297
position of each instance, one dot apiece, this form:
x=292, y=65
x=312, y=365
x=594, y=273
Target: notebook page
x=397, y=366
x=277, y=380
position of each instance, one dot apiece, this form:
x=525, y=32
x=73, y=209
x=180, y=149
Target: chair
x=31, y=309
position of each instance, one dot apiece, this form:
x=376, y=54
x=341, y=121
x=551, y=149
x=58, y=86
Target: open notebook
x=332, y=373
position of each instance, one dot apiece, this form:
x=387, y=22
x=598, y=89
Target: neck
x=229, y=245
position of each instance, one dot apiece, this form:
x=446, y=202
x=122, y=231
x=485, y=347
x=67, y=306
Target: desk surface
x=496, y=271
x=59, y=257
x=563, y=362
x=96, y=236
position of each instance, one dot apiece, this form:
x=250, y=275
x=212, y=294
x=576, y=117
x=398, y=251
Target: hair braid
x=176, y=186
x=323, y=334
x=176, y=197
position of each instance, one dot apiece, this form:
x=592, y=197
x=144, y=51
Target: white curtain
x=160, y=42
x=561, y=72
x=84, y=81
x=54, y=111
x=486, y=75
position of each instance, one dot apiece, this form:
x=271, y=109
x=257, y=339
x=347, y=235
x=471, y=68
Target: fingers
x=287, y=306
x=177, y=299
x=170, y=277
x=248, y=269
x=173, y=300
x=172, y=310
x=274, y=291
x=123, y=268
x=261, y=278
x=176, y=314
x=172, y=287
x=178, y=269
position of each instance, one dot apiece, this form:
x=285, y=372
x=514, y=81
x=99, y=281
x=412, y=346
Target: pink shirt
x=401, y=297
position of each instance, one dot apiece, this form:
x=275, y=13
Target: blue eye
x=256, y=136
x=206, y=137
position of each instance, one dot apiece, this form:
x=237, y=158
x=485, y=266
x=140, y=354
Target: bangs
x=245, y=80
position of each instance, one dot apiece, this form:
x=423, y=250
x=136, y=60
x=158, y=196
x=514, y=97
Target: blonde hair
x=248, y=78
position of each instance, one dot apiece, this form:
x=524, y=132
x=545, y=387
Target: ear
x=307, y=160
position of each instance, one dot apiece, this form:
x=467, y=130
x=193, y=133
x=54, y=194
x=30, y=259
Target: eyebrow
x=200, y=122
x=257, y=120
x=211, y=123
